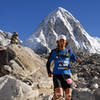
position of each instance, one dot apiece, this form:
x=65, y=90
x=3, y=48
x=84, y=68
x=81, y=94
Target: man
x=61, y=72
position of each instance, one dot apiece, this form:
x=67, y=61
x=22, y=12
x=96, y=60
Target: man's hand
x=79, y=60
x=50, y=75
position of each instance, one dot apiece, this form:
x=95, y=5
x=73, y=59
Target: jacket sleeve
x=72, y=56
x=51, y=57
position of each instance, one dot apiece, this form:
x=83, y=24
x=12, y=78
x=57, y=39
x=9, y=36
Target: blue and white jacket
x=62, y=58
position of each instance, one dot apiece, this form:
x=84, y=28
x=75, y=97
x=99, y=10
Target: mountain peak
x=61, y=9
x=61, y=13
x=58, y=22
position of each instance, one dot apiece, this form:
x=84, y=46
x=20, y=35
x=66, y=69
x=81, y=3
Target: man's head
x=61, y=41
x=61, y=37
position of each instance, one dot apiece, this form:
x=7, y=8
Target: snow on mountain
x=4, y=38
x=59, y=22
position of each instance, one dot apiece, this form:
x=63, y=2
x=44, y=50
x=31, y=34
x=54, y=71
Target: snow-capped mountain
x=4, y=38
x=59, y=22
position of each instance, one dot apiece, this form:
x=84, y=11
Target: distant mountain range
x=60, y=21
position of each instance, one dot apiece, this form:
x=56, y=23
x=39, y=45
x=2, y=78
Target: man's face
x=61, y=43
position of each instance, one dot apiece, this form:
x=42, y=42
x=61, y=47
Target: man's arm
x=74, y=58
x=79, y=60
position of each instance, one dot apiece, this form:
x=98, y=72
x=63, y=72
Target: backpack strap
x=67, y=52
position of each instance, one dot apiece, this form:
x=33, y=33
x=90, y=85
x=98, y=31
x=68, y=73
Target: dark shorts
x=62, y=81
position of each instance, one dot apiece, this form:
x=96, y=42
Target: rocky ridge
x=22, y=70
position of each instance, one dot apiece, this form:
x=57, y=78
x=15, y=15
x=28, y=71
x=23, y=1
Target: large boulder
x=13, y=89
x=23, y=60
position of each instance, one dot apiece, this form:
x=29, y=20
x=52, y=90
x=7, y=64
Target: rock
x=49, y=97
x=97, y=94
x=17, y=69
x=12, y=89
x=6, y=69
x=82, y=95
x=74, y=77
x=45, y=83
x=4, y=38
x=94, y=86
x=23, y=61
x=23, y=57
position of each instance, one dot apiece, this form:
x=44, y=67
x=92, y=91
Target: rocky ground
x=23, y=76
x=86, y=76
x=87, y=72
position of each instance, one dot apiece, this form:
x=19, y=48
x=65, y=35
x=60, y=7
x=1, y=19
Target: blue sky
x=24, y=16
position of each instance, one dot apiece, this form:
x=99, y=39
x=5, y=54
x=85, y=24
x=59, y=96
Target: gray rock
x=82, y=95
x=4, y=38
x=12, y=89
x=49, y=97
x=6, y=69
x=97, y=94
x=45, y=83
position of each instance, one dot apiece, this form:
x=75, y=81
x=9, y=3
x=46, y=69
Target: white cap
x=61, y=37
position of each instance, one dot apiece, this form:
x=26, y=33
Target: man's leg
x=58, y=93
x=68, y=93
